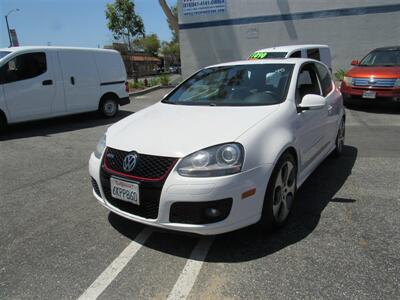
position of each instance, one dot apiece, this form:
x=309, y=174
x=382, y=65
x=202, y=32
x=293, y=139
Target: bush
x=136, y=85
x=164, y=79
x=339, y=75
x=154, y=81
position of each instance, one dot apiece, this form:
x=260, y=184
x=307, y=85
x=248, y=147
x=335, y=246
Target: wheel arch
x=108, y=95
x=3, y=115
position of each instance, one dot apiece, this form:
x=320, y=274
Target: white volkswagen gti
x=225, y=149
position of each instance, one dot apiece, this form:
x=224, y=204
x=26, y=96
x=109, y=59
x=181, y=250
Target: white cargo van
x=44, y=82
x=317, y=52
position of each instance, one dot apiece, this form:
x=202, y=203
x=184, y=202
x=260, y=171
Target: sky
x=80, y=23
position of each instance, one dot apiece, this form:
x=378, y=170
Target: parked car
x=318, y=52
x=224, y=149
x=44, y=82
x=376, y=75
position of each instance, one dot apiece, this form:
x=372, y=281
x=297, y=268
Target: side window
x=296, y=54
x=307, y=83
x=325, y=79
x=313, y=54
x=24, y=66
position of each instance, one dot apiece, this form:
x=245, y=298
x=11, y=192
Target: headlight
x=397, y=83
x=348, y=80
x=218, y=160
x=101, y=145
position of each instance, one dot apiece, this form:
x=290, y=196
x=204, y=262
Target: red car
x=377, y=75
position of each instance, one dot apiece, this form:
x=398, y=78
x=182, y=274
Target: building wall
x=350, y=27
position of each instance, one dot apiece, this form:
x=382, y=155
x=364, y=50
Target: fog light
x=212, y=213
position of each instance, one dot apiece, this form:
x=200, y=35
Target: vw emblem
x=130, y=162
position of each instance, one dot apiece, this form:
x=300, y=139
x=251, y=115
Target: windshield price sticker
x=259, y=55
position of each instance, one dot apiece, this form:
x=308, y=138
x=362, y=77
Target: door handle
x=72, y=80
x=47, y=82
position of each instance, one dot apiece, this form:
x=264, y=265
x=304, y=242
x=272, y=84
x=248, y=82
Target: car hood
x=378, y=72
x=178, y=130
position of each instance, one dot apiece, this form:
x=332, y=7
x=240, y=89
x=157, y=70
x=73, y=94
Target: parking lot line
x=109, y=274
x=186, y=280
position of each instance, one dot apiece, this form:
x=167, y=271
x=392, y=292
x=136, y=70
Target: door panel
x=26, y=96
x=81, y=83
x=311, y=123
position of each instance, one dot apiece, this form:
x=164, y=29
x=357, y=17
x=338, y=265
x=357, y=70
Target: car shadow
x=58, y=125
x=378, y=106
x=252, y=242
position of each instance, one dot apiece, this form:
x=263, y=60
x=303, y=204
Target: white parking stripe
x=109, y=274
x=186, y=280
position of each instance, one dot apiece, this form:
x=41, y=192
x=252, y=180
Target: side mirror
x=312, y=102
x=355, y=62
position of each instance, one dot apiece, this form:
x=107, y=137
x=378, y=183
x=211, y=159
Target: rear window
x=313, y=54
x=325, y=78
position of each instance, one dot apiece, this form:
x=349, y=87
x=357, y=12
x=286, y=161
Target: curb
x=150, y=89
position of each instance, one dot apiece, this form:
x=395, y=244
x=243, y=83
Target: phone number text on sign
x=202, y=7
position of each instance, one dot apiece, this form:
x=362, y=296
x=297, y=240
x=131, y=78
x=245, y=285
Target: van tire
x=108, y=106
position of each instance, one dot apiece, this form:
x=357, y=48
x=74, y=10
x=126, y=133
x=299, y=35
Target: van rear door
x=81, y=82
x=28, y=85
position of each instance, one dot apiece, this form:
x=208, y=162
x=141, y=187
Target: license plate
x=125, y=190
x=369, y=95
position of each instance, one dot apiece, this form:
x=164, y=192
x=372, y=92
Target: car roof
x=291, y=48
x=29, y=48
x=265, y=61
x=388, y=48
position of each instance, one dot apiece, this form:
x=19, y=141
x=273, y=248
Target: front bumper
x=179, y=189
x=392, y=93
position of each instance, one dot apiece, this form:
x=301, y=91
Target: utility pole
x=8, y=31
x=8, y=27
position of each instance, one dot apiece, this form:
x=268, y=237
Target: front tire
x=108, y=107
x=280, y=193
x=340, y=137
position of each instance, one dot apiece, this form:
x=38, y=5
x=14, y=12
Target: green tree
x=149, y=44
x=123, y=22
x=171, y=52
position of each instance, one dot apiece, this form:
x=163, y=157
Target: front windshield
x=4, y=53
x=382, y=58
x=240, y=85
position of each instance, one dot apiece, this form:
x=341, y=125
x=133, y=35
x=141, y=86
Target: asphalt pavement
x=57, y=242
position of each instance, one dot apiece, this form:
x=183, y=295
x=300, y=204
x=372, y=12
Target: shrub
x=339, y=75
x=164, y=79
x=154, y=81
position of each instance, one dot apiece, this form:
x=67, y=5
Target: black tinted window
x=313, y=54
x=325, y=79
x=24, y=66
x=296, y=54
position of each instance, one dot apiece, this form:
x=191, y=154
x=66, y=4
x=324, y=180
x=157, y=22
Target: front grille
x=194, y=212
x=148, y=167
x=375, y=82
x=95, y=186
x=149, y=195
